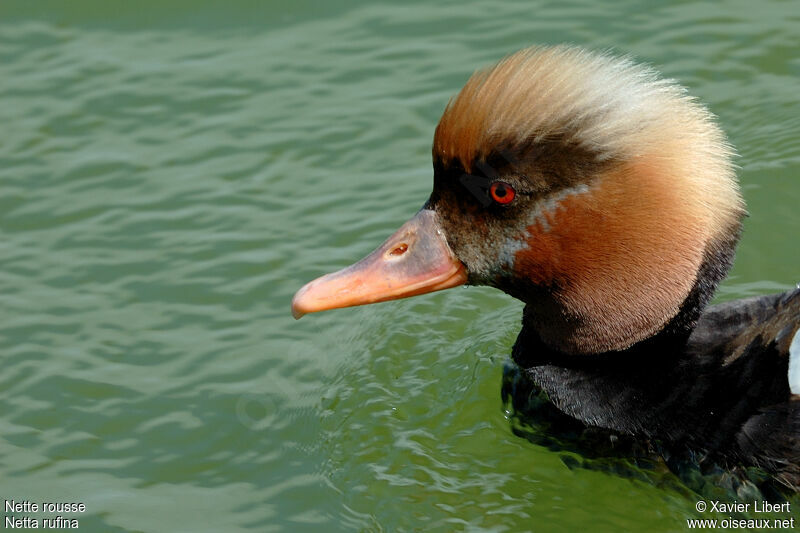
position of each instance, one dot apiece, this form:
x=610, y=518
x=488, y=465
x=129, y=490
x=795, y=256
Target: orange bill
x=415, y=260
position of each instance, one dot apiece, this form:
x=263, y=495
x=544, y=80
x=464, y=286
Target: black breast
x=722, y=391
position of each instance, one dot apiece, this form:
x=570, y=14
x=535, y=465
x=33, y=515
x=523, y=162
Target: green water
x=171, y=174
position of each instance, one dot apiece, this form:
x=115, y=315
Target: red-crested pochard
x=604, y=198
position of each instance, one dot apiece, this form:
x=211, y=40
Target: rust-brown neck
x=613, y=265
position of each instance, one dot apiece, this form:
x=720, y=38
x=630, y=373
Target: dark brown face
x=488, y=213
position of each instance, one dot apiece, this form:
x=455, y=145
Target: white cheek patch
x=794, y=364
x=508, y=252
x=549, y=205
x=538, y=217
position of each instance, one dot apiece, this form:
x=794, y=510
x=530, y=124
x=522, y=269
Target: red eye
x=502, y=192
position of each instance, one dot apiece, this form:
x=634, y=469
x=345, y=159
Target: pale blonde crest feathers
x=609, y=106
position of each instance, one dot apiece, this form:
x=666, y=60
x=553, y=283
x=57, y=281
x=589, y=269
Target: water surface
x=171, y=174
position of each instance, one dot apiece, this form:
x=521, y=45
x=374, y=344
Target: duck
x=605, y=198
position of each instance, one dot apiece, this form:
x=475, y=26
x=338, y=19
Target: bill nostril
x=400, y=249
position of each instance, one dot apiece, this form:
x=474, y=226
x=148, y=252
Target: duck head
x=582, y=184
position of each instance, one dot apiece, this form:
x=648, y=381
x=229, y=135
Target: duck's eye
x=502, y=192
